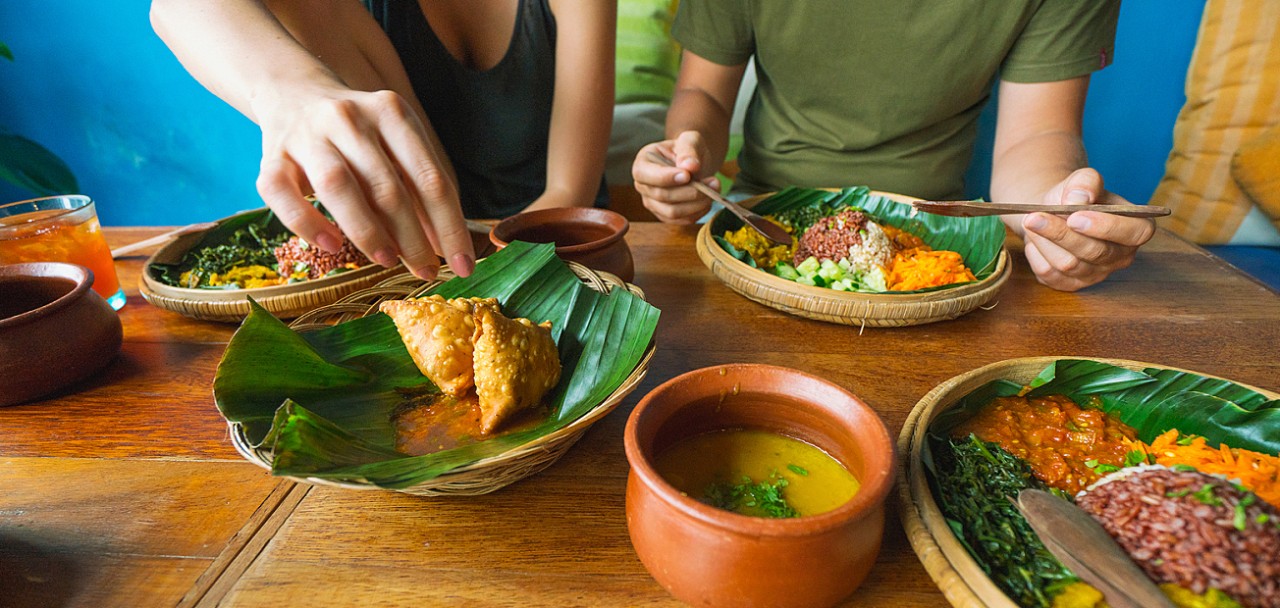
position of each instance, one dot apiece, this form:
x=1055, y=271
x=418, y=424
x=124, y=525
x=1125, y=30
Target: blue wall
x=92, y=82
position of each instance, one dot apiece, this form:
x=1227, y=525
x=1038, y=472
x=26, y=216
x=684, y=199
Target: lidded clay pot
x=710, y=557
x=586, y=235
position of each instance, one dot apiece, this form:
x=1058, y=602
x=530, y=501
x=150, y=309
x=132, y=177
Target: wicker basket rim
x=957, y=574
x=594, y=279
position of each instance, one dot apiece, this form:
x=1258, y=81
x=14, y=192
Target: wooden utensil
x=976, y=209
x=1083, y=546
x=160, y=238
x=768, y=229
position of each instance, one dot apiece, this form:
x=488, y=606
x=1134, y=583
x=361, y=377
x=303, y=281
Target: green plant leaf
x=978, y=240
x=5, y=52
x=31, y=166
x=322, y=402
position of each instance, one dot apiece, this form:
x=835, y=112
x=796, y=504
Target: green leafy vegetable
x=973, y=483
x=241, y=240
x=798, y=470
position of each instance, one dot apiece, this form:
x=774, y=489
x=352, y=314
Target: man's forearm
x=1027, y=169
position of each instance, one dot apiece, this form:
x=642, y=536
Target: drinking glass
x=60, y=229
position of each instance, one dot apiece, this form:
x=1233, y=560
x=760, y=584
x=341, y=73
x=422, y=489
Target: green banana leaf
x=1152, y=401
x=978, y=240
x=322, y=401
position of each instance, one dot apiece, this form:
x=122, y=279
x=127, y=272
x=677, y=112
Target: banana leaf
x=978, y=240
x=322, y=401
x=1152, y=401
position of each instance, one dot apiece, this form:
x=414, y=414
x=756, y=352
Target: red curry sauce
x=1054, y=435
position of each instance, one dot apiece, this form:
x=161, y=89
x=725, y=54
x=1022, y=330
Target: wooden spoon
x=161, y=238
x=766, y=228
x=975, y=209
x=1083, y=546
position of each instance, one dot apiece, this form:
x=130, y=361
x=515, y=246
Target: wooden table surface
x=125, y=490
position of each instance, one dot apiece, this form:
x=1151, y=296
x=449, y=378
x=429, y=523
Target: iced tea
x=60, y=229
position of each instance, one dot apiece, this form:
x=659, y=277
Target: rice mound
x=849, y=235
x=1184, y=528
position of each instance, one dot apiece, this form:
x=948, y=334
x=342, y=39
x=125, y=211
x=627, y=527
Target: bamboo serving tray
x=232, y=305
x=956, y=573
x=486, y=475
x=844, y=307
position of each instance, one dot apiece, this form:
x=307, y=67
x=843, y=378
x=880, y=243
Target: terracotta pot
x=54, y=329
x=709, y=557
x=586, y=235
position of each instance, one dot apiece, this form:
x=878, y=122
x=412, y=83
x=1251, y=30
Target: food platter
x=951, y=565
x=528, y=277
x=861, y=309
x=231, y=305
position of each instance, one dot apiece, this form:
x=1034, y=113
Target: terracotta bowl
x=709, y=557
x=586, y=235
x=54, y=329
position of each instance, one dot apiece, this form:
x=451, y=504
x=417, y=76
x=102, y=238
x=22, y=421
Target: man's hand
x=1084, y=248
x=667, y=191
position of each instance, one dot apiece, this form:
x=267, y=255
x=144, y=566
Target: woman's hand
x=667, y=191
x=1084, y=248
x=366, y=156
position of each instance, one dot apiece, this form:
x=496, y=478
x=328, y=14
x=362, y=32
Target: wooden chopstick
x=975, y=209
x=160, y=238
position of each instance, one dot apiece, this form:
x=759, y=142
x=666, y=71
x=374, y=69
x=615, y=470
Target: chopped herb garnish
x=1183, y=468
x=1241, y=519
x=1135, y=458
x=798, y=470
x=1206, y=496
x=1262, y=518
x=1185, y=440
x=1101, y=468
x=763, y=499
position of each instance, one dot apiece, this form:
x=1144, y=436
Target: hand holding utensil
x=768, y=229
x=976, y=209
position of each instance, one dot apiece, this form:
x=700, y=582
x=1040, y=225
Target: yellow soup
x=708, y=465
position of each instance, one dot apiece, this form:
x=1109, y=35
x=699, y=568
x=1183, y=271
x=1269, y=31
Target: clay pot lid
x=767, y=380
x=79, y=275
x=502, y=232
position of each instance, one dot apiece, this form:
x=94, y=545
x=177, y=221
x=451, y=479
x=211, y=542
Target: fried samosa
x=440, y=336
x=516, y=363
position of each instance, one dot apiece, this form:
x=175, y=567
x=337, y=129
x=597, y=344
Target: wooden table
x=127, y=492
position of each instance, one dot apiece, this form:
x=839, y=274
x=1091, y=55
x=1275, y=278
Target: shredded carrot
x=916, y=265
x=1254, y=470
x=923, y=267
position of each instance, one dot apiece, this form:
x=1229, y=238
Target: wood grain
x=125, y=491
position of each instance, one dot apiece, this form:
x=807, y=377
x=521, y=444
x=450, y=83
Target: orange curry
x=1062, y=442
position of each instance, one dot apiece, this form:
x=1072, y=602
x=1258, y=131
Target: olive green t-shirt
x=885, y=93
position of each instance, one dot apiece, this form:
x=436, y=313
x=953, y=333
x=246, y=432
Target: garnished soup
x=757, y=473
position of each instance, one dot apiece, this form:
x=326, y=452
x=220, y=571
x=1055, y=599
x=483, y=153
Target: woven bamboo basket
x=486, y=475
x=844, y=307
x=232, y=305
x=957, y=574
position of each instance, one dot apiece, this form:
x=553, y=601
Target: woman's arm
x=698, y=138
x=338, y=121
x=1039, y=156
x=582, y=112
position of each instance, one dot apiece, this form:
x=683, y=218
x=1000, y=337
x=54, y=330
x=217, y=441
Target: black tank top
x=493, y=123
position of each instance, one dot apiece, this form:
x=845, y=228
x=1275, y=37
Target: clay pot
x=54, y=329
x=709, y=557
x=586, y=235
